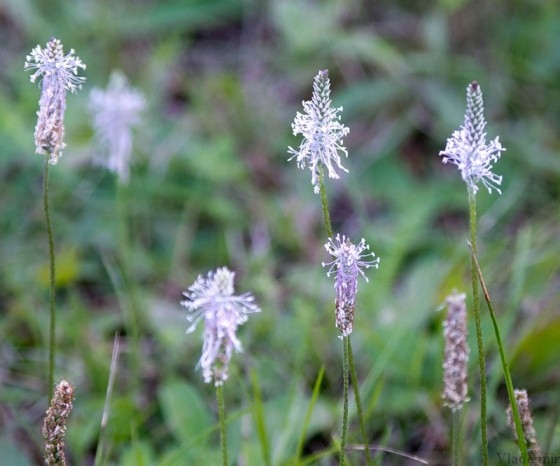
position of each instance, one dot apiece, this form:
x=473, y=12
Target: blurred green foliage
x=211, y=186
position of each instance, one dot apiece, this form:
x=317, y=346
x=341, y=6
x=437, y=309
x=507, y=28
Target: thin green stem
x=478, y=326
x=505, y=366
x=455, y=426
x=222, y=422
x=324, y=203
x=52, y=284
x=355, y=386
x=345, y=345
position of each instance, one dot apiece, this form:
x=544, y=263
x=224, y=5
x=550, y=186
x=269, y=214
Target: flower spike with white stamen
x=211, y=298
x=349, y=262
x=322, y=133
x=58, y=73
x=467, y=147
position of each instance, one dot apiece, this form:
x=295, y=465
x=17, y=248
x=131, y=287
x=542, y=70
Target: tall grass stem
x=478, y=326
x=222, y=422
x=259, y=417
x=99, y=452
x=52, y=282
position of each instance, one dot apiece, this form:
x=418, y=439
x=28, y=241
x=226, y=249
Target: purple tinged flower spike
x=57, y=74
x=322, y=133
x=115, y=111
x=348, y=263
x=529, y=432
x=211, y=299
x=456, y=351
x=467, y=147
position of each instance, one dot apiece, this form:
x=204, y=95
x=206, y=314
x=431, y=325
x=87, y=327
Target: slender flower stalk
x=348, y=264
x=57, y=74
x=467, y=148
x=211, y=299
x=529, y=432
x=116, y=110
x=54, y=426
x=322, y=133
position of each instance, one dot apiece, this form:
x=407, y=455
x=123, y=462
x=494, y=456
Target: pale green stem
x=505, y=367
x=222, y=422
x=52, y=283
x=478, y=326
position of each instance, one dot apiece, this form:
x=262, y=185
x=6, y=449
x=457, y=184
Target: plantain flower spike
x=57, y=74
x=467, y=147
x=322, y=133
x=348, y=263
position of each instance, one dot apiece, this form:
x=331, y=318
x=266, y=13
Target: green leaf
x=185, y=413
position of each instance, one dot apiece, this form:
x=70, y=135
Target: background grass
x=211, y=186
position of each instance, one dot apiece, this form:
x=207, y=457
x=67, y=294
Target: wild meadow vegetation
x=209, y=185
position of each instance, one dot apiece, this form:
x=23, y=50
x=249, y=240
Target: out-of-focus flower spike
x=211, y=299
x=115, y=111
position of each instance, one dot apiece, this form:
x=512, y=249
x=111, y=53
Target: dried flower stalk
x=54, y=427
